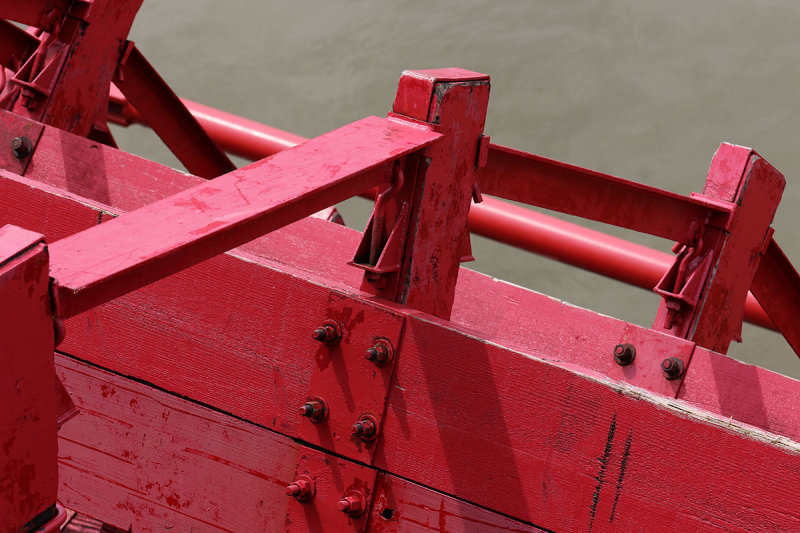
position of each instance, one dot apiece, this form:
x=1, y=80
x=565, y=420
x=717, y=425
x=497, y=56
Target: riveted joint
x=380, y=353
x=353, y=503
x=21, y=147
x=365, y=428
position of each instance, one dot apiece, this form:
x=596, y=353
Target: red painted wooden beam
x=543, y=182
x=167, y=116
x=777, y=287
x=28, y=430
x=498, y=220
x=501, y=339
x=107, y=261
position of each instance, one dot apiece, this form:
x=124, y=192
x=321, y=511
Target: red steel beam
x=498, y=220
x=162, y=238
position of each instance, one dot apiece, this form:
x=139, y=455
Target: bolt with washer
x=624, y=354
x=21, y=147
x=672, y=368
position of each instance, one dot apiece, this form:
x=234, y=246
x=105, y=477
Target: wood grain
x=506, y=406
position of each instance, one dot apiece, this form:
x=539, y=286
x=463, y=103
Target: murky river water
x=642, y=90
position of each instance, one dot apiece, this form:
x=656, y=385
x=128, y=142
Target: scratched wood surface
x=576, y=451
x=144, y=459
x=519, y=319
x=401, y=505
x=141, y=457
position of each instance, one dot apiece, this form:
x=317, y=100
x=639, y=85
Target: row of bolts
x=672, y=367
x=353, y=502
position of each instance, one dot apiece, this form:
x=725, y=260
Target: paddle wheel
x=209, y=352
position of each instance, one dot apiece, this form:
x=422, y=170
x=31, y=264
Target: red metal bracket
x=342, y=494
x=705, y=290
x=647, y=353
x=350, y=384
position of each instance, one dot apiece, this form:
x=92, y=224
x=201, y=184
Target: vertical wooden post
x=28, y=434
x=452, y=102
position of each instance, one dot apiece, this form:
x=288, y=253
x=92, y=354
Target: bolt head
x=343, y=505
x=624, y=354
x=357, y=428
x=352, y=503
x=302, y=489
x=21, y=147
x=672, y=368
x=371, y=354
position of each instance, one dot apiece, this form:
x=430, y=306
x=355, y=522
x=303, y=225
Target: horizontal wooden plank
x=572, y=452
x=542, y=182
x=137, y=456
x=140, y=457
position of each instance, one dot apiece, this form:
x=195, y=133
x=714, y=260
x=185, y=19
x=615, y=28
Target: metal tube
x=496, y=219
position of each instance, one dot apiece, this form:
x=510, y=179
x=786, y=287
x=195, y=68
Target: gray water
x=641, y=90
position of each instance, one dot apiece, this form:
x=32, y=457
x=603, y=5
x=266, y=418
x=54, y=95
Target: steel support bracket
x=650, y=351
x=351, y=385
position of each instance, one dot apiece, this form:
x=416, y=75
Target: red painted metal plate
x=652, y=348
x=351, y=385
x=11, y=127
x=333, y=479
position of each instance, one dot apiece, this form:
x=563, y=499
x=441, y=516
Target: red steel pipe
x=493, y=218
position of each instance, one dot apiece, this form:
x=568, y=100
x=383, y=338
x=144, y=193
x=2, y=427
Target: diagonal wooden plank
x=107, y=261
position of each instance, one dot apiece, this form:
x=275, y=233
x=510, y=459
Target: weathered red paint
x=505, y=408
x=705, y=291
x=129, y=252
x=28, y=430
x=777, y=287
x=498, y=220
x=503, y=324
x=65, y=82
x=436, y=189
x=167, y=116
x=404, y=506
